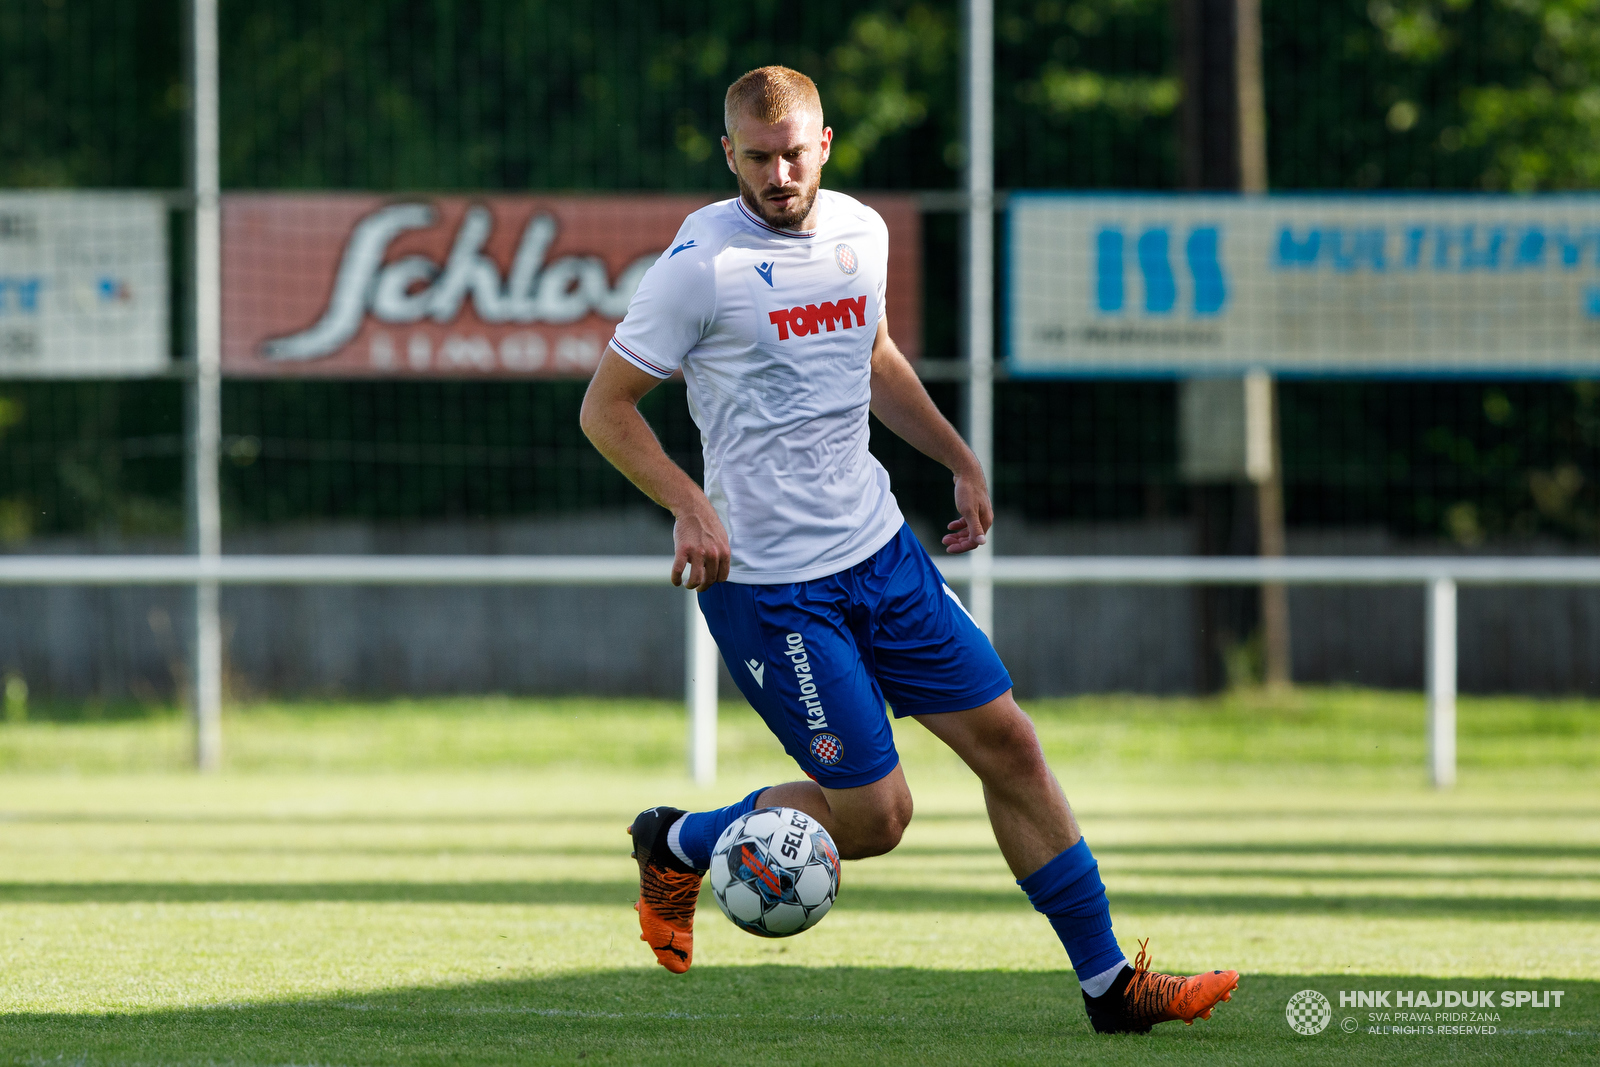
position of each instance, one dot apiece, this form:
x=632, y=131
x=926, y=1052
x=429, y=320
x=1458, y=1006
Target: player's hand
x=977, y=515
x=701, y=545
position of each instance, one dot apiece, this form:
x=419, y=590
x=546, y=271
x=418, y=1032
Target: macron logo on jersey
x=758, y=671
x=811, y=318
x=765, y=270
x=680, y=248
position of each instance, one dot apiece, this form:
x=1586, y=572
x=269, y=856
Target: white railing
x=1438, y=575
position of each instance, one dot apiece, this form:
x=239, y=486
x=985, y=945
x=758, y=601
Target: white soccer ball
x=775, y=872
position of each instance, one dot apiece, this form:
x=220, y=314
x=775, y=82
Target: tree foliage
x=1498, y=94
x=626, y=94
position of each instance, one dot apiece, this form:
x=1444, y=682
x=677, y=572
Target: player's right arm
x=611, y=419
x=667, y=317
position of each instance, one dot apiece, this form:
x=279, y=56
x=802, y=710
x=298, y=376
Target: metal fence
x=517, y=94
x=1440, y=576
x=625, y=94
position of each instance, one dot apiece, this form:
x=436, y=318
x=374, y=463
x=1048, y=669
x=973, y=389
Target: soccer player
x=822, y=602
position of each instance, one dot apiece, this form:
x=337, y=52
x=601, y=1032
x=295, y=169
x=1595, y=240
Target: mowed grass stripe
x=773, y=1014
x=382, y=904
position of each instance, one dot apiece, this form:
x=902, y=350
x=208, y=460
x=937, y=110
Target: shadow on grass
x=607, y=846
x=166, y=818
x=1303, y=847
x=852, y=898
x=1357, y=816
x=776, y=1014
x=600, y=851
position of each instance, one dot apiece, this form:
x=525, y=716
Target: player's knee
x=1011, y=748
x=874, y=840
x=876, y=834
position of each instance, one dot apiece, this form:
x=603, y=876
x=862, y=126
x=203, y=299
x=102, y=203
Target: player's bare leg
x=1040, y=839
x=864, y=821
x=1033, y=823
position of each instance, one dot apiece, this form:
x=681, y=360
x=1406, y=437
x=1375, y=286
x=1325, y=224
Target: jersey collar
x=756, y=220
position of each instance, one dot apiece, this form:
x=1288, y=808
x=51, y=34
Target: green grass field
x=447, y=882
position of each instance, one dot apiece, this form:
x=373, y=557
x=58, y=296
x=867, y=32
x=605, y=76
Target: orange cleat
x=1140, y=998
x=667, y=897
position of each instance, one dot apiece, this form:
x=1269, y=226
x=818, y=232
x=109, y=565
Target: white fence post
x=980, y=278
x=1442, y=682
x=700, y=685
x=205, y=391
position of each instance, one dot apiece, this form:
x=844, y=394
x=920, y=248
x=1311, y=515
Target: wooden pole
x=1251, y=98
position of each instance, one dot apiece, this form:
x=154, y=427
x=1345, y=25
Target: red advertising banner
x=359, y=286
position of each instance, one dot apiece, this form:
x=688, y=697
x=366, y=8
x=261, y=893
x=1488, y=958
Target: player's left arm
x=903, y=405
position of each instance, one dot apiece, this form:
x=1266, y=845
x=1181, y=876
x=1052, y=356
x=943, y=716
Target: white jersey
x=773, y=330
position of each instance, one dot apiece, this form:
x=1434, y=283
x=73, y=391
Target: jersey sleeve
x=671, y=310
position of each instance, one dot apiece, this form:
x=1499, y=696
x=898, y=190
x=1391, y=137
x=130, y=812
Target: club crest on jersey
x=826, y=749
x=845, y=256
x=847, y=313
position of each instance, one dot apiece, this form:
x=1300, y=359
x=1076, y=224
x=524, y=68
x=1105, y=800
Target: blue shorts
x=817, y=659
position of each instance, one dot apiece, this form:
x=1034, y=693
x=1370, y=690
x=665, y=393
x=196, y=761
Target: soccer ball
x=775, y=872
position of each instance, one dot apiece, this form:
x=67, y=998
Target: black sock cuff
x=661, y=853
x=1118, y=985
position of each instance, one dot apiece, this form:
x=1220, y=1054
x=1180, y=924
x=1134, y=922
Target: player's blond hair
x=768, y=94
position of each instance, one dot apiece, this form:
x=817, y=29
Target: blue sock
x=1069, y=893
x=693, y=836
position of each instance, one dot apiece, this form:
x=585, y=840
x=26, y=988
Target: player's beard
x=797, y=211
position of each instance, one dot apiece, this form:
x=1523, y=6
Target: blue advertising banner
x=1194, y=285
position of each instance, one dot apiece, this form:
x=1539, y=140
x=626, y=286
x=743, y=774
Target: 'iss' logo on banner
x=1153, y=253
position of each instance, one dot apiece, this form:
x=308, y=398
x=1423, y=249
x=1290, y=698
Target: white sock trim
x=1097, y=986
x=675, y=842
